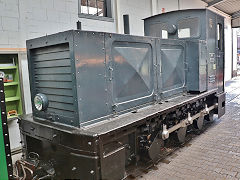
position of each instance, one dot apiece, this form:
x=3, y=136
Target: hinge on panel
x=156, y=97
x=186, y=66
x=114, y=107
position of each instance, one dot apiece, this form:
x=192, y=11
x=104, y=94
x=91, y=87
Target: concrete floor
x=214, y=154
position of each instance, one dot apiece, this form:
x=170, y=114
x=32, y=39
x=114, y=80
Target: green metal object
x=12, y=85
x=6, y=171
x=3, y=162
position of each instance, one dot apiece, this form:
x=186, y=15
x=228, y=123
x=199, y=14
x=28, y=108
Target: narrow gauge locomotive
x=103, y=102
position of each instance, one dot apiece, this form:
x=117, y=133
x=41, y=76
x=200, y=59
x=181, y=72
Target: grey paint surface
x=211, y=44
x=197, y=65
x=92, y=76
x=172, y=61
x=220, y=56
x=166, y=20
x=130, y=62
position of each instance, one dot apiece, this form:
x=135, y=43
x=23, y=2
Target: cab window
x=220, y=36
x=188, y=28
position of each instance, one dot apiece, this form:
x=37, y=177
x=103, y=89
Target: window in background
x=95, y=8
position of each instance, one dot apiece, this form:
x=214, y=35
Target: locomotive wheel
x=209, y=117
x=198, y=124
x=181, y=134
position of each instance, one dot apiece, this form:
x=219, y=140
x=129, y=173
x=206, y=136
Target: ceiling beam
x=215, y=2
x=236, y=15
x=236, y=23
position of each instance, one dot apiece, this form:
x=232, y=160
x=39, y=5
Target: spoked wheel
x=181, y=134
x=198, y=123
x=209, y=117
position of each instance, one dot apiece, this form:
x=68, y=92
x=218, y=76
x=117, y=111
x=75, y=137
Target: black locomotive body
x=103, y=103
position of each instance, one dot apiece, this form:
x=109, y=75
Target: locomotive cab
x=203, y=32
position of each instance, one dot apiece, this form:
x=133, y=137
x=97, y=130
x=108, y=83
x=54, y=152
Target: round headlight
x=40, y=102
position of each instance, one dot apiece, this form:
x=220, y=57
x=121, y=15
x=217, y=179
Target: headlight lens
x=40, y=102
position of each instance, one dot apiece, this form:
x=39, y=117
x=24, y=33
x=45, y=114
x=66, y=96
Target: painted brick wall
x=137, y=10
x=26, y=19
x=172, y=5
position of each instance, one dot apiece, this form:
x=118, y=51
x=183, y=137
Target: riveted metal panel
x=91, y=76
x=130, y=63
x=197, y=65
x=172, y=76
x=98, y=75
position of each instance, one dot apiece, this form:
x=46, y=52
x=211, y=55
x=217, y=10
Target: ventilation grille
x=53, y=77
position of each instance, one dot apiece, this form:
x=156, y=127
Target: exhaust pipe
x=126, y=24
x=79, y=25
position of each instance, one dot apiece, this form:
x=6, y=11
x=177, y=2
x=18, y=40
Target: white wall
x=26, y=19
x=137, y=10
x=228, y=48
x=236, y=33
x=192, y=4
x=172, y=5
